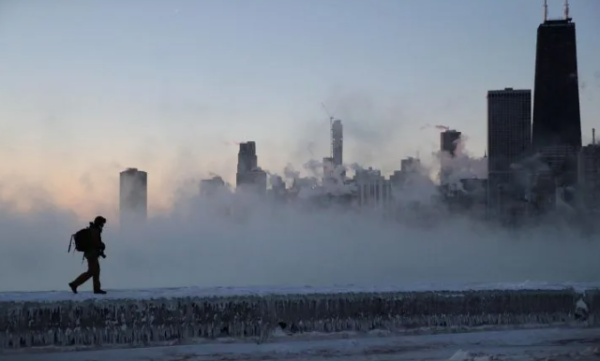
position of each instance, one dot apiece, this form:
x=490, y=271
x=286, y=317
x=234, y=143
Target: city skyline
x=207, y=141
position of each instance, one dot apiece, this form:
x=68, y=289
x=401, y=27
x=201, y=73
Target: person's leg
x=82, y=277
x=95, y=270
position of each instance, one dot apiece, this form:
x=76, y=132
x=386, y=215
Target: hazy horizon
x=240, y=240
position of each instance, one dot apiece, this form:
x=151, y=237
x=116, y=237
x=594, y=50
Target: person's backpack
x=82, y=240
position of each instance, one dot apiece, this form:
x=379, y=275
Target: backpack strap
x=70, y=243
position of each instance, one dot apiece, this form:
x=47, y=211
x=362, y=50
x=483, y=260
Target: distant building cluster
x=535, y=160
x=535, y=164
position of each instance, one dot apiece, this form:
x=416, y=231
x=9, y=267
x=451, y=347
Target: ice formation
x=100, y=322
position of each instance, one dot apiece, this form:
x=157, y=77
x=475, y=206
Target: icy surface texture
x=98, y=322
x=182, y=292
x=590, y=309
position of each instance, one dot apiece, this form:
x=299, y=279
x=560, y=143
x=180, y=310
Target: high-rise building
x=449, y=141
x=247, y=159
x=556, y=114
x=509, y=129
x=249, y=175
x=337, y=142
x=133, y=196
x=509, y=141
x=556, y=134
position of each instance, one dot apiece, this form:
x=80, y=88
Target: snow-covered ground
x=531, y=345
x=64, y=295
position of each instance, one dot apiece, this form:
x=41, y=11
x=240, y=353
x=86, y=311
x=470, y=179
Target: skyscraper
x=133, y=196
x=337, y=142
x=249, y=175
x=509, y=128
x=509, y=141
x=556, y=115
x=556, y=134
x=247, y=159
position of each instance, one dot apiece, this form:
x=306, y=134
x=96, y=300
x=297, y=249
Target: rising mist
x=240, y=240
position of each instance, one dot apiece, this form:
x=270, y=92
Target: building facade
x=509, y=128
x=373, y=190
x=509, y=143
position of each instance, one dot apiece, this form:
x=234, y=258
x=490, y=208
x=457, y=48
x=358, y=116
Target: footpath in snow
x=223, y=292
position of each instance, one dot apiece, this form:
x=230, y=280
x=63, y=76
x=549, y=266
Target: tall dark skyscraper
x=556, y=116
x=556, y=134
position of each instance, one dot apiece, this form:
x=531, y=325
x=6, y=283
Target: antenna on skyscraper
x=545, y=10
x=594, y=136
x=566, y=9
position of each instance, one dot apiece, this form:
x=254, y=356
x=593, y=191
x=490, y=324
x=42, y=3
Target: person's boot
x=73, y=287
x=99, y=292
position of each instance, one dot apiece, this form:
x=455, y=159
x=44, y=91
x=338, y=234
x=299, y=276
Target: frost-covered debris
x=461, y=355
x=137, y=322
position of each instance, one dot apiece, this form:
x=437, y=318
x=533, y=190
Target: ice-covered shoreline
x=218, y=292
x=139, y=321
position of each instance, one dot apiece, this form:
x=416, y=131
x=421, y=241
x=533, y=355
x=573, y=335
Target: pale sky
x=88, y=88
